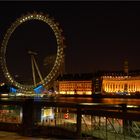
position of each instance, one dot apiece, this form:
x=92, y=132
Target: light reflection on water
x=121, y=101
x=129, y=101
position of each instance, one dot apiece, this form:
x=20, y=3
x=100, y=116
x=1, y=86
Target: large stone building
x=117, y=82
x=80, y=84
x=101, y=82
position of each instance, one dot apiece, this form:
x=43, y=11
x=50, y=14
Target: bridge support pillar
x=78, y=125
x=28, y=118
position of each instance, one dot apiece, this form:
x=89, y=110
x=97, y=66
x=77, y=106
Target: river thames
x=113, y=101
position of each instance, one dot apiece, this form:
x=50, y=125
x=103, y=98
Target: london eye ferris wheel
x=58, y=62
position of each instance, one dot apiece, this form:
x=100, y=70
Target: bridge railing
x=85, y=119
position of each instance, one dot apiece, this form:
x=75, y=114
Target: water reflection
x=130, y=101
x=121, y=101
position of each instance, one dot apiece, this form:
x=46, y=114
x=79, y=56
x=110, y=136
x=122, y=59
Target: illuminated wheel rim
x=59, y=56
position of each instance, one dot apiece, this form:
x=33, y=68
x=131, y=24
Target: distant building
x=117, y=82
x=101, y=82
x=80, y=84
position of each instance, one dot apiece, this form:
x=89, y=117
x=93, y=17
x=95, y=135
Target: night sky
x=98, y=35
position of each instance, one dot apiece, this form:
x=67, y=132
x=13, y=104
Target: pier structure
x=77, y=120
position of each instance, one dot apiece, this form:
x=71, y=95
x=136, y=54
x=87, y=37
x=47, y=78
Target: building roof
x=77, y=76
x=90, y=76
x=117, y=73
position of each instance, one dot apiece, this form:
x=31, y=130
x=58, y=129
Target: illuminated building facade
x=80, y=84
x=75, y=87
x=117, y=82
x=121, y=84
x=101, y=82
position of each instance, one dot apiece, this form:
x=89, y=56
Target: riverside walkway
x=15, y=136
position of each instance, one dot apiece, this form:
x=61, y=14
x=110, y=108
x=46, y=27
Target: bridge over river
x=73, y=117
